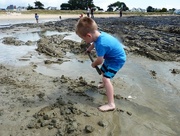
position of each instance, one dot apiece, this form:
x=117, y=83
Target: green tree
x=172, y=10
x=99, y=9
x=80, y=4
x=65, y=6
x=29, y=7
x=117, y=6
x=150, y=9
x=163, y=10
x=38, y=5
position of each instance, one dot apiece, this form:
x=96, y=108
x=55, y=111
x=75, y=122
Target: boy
x=109, y=52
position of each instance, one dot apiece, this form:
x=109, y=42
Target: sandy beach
x=17, y=18
x=48, y=88
x=46, y=16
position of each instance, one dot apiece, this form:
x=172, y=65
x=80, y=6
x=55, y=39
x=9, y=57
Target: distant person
x=110, y=55
x=88, y=11
x=36, y=17
x=81, y=15
x=60, y=17
x=120, y=12
x=92, y=12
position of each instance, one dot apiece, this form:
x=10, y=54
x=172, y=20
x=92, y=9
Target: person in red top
x=81, y=15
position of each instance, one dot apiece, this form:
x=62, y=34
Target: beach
x=30, y=18
x=48, y=87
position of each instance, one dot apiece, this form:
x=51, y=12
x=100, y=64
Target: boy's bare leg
x=110, y=96
x=101, y=85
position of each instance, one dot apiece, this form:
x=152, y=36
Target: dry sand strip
x=12, y=16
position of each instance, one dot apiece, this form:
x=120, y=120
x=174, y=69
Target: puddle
x=73, y=36
x=10, y=22
x=10, y=54
x=50, y=33
x=68, y=35
x=34, y=36
x=14, y=55
x=72, y=69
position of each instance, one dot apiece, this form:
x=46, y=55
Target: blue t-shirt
x=111, y=49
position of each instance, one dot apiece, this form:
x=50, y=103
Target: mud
x=37, y=104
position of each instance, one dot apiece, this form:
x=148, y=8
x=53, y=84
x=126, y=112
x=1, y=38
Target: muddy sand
x=59, y=96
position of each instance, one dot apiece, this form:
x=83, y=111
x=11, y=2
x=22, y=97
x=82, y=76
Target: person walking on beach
x=88, y=11
x=36, y=17
x=92, y=12
x=120, y=12
x=110, y=54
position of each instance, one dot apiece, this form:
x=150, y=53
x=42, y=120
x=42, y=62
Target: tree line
x=81, y=5
x=84, y=4
x=151, y=9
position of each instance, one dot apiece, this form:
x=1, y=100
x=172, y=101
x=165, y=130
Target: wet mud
x=37, y=104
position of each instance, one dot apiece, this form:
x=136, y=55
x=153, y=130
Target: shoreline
x=46, y=16
x=12, y=16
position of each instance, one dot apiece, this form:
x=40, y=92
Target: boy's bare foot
x=107, y=107
x=100, y=86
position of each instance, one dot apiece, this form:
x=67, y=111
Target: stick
x=97, y=68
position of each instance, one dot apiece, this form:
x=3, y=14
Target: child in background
x=110, y=54
x=36, y=17
x=88, y=11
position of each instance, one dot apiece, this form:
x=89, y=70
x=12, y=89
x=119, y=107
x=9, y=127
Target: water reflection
x=34, y=36
x=10, y=54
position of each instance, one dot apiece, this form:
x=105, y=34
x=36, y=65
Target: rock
x=89, y=129
x=45, y=123
x=32, y=124
x=129, y=113
x=29, y=42
x=12, y=41
x=103, y=123
x=175, y=71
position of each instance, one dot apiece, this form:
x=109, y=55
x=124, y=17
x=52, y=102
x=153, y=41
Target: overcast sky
x=101, y=3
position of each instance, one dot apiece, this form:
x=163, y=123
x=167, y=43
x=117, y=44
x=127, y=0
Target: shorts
x=109, y=72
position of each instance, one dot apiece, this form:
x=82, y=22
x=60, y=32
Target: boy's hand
x=87, y=51
x=93, y=64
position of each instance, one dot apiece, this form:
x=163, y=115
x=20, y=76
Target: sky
x=169, y=4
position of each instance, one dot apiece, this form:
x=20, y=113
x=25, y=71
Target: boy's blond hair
x=85, y=25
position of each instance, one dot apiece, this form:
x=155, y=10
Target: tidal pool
x=152, y=100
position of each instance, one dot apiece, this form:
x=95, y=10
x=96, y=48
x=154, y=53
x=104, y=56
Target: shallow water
x=10, y=22
x=10, y=54
x=154, y=101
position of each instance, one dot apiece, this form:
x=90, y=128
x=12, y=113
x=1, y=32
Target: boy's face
x=87, y=38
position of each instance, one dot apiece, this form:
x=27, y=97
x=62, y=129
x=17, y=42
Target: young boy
x=109, y=52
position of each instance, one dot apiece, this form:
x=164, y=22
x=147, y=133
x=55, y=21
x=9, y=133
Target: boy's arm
x=98, y=61
x=90, y=47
